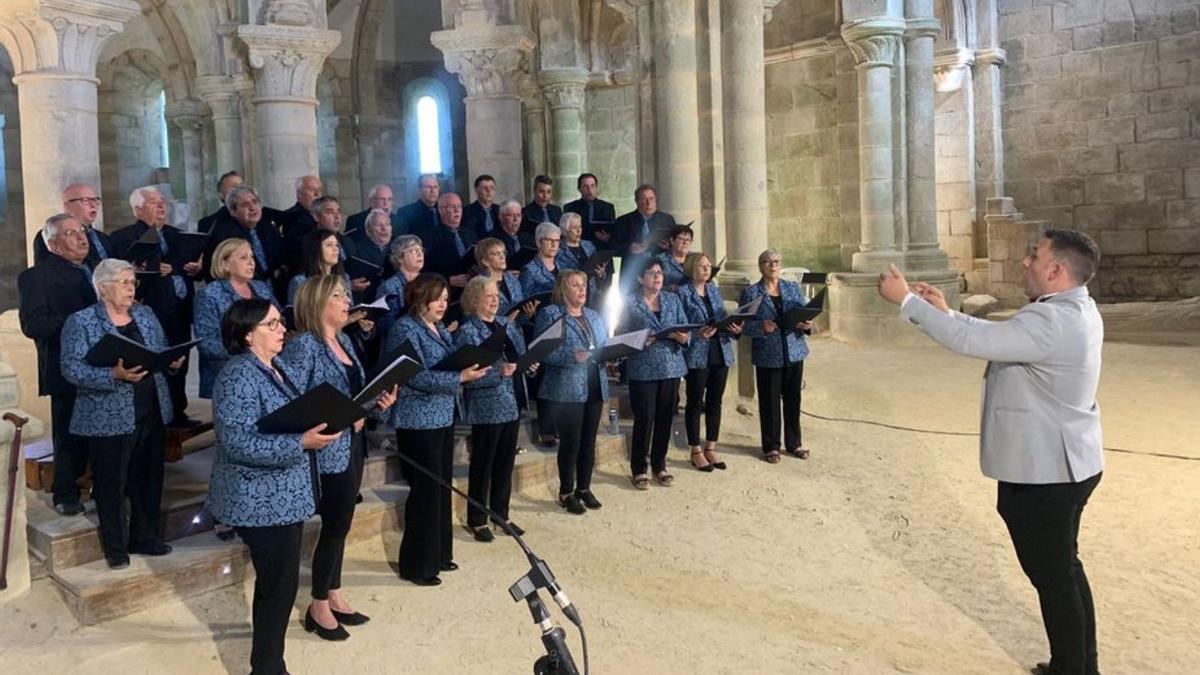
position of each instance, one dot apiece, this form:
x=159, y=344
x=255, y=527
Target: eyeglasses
x=73, y=234
x=129, y=283
x=774, y=262
x=270, y=324
x=85, y=200
x=548, y=240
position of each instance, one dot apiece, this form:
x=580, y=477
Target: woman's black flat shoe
x=428, y=581
x=332, y=634
x=483, y=534
x=449, y=567
x=589, y=500
x=351, y=619
x=572, y=504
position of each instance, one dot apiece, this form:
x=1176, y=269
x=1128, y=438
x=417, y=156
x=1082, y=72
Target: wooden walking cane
x=15, y=456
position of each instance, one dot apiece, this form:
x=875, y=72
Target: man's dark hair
x=637, y=192
x=242, y=317
x=584, y=176
x=1077, y=251
x=422, y=291
x=482, y=177
x=227, y=174
x=542, y=180
x=320, y=202
x=677, y=230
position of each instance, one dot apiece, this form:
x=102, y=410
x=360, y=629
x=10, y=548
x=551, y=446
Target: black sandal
x=710, y=455
x=698, y=453
x=772, y=457
x=798, y=453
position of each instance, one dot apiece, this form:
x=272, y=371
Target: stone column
x=923, y=251
x=534, y=105
x=53, y=45
x=565, y=90
x=989, y=139
x=744, y=103
x=188, y=115
x=286, y=60
x=677, y=110
x=220, y=93
x=874, y=43
x=489, y=61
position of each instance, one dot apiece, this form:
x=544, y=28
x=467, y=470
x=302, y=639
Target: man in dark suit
x=327, y=212
x=298, y=219
x=482, y=216
x=380, y=197
x=640, y=229
x=510, y=233
x=422, y=215
x=377, y=248
x=169, y=293
x=225, y=183
x=592, y=209
x=259, y=226
x=446, y=247
x=80, y=201
x=54, y=288
x=540, y=210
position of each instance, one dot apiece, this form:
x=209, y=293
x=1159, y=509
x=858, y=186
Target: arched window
x=161, y=111
x=429, y=135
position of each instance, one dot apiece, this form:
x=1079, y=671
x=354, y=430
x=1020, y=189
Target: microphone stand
x=558, y=660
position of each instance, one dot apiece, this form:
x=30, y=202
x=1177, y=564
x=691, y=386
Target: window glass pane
x=429, y=135
x=164, y=153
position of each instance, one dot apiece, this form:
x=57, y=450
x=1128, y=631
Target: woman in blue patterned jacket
x=778, y=353
x=323, y=353
x=654, y=374
x=424, y=421
x=674, y=275
x=574, y=251
x=709, y=357
x=120, y=414
x=232, y=271
x=320, y=254
x=574, y=388
x=408, y=257
x=490, y=406
x=493, y=262
x=263, y=484
x=539, y=277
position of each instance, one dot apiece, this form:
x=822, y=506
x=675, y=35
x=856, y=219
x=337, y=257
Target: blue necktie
x=87, y=273
x=260, y=256
x=591, y=212
x=95, y=239
x=458, y=244
x=487, y=220
x=645, y=227
x=545, y=215
x=433, y=217
x=176, y=280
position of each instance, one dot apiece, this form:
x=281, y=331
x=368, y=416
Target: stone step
x=200, y=562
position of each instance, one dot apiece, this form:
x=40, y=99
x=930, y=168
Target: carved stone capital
x=287, y=59
x=949, y=68
x=874, y=42
x=304, y=13
x=923, y=27
x=988, y=57
x=222, y=94
x=628, y=8
x=769, y=10
x=489, y=60
x=61, y=36
x=564, y=88
x=187, y=114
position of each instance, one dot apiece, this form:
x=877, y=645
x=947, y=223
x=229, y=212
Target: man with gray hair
x=298, y=221
x=81, y=202
x=380, y=198
x=54, y=288
x=168, y=293
x=421, y=216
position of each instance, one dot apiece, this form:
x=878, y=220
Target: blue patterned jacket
x=258, y=479
x=298, y=280
x=491, y=399
x=510, y=283
x=308, y=362
x=673, y=274
x=212, y=301
x=427, y=400
x=394, y=286
x=662, y=360
x=564, y=380
x=104, y=406
x=567, y=261
x=766, y=350
x=695, y=307
x=535, y=278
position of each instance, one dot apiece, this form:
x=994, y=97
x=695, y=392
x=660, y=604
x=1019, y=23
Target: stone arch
x=958, y=24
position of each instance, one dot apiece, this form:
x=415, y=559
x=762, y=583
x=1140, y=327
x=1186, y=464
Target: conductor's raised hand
x=473, y=373
x=313, y=439
x=892, y=285
x=931, y=294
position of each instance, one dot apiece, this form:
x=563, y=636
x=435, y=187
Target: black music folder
x=717, y=268
x=405, y=348
x=394, y=374
x=543, y=345
x=188, y=248
x=814, y=278
x=620, y=346
x=321, y=404
x=454, y=313
x=373, y=310
x=744, y=313
x=145, y=251
x=104, y=354
x=521, y=258
x=681, y=328
x=543, y=298
x=807, y=312
x=468, y=356
x=358, y=268
x=600, y=258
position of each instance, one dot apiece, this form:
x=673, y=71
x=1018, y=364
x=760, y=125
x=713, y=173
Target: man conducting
x=1040, y=430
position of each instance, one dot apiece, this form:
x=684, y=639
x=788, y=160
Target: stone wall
x=612, y=143
x=12, y=212
x=956, y=215
x=1102, y=133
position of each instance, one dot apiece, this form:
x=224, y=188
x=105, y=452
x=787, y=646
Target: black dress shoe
x=155, y=549
x=572, y=504
x=449, y=567
x=428, y=581
x=351, y=619
x=483, y=533
x=117, y=561
x=515, y=528
x=589, y=500
x=69, y=509
x=335, y=634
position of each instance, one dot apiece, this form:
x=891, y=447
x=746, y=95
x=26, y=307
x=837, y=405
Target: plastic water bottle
x=613, y=429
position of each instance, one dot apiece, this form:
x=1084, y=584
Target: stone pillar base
x=18, y=577
x=858, y=315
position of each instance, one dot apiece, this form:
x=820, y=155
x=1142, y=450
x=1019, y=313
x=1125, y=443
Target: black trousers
x=546, y=424
x=577, y=426
x=339, y=492
x=70, y=451
x=275, y=554
x=654, y=403
x=129, y=465
x=775, y=386
x=1043, y=522
x=178, y=329
x=493, y=453
x=705, y=389
x=428, y=542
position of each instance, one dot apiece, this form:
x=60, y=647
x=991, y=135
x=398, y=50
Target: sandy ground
x=881, y=554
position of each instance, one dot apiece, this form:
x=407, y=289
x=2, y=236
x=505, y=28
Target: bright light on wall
x=428, y=134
